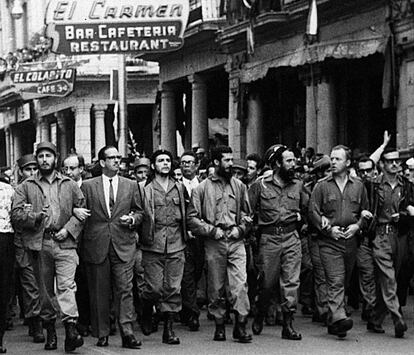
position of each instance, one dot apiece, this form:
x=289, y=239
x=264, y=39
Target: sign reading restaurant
x=116, y=26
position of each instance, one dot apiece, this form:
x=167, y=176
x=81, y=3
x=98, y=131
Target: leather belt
x=278, y=229
x=49, y=234
x=387, y=228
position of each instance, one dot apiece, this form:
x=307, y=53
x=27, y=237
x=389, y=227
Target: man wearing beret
x=49, y=231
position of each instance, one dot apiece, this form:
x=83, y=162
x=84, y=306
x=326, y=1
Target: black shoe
x=287, y=331
x=3, y=350
x=146, y=319
x=103, y=341
x=220, y=332
x=340, y=327
x=375, y=328
x=239, y=330
x=257, y=325
x=51, y=338
x=193, y=323
x=129, y=342
x=168, y=336
x=37, y=330
x=307, y=311
x=400, y=328
x=72, y=338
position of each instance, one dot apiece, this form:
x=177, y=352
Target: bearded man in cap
x=30, y=291
x=279, y=200
x=219, y=213
x=49, y=231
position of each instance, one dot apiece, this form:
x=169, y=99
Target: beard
x=287, y=175
x=47, y=171
x=226, y=174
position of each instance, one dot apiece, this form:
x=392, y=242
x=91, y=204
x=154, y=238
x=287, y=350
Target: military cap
x=46, y=145
x=26, y=160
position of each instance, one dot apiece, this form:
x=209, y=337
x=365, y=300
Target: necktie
x=111, y=196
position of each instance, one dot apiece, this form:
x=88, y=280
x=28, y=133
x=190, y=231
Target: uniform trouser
x=366, y=268
x=226, y=262
x=406, y=271
x=162, y=279
x=29, y=288
x=306, y=294
x=101, y=277
x=193, y=269
x=385, y=251
x=280, y=257
x=338, y=260
x=6, y=273
x=82, y=294
x=138, y=282
x=50, y=262
x=319, y=279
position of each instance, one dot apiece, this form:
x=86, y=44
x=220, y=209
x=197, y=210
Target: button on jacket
x=342, y=209
x=276, y=204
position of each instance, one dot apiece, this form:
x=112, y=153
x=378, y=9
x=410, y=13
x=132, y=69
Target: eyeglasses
x=365, y=171
x=393, y=161
x=113, y=157
x=187, y=162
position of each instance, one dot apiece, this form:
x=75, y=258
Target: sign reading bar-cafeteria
x=116, y=26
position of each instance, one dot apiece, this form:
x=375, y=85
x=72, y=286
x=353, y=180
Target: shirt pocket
x=330, y=203
x=232, y=203
x=268, y=200
x=292, y=201
x=177, y=208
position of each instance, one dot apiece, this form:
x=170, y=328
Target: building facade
x=85, y=120
x=257, y=69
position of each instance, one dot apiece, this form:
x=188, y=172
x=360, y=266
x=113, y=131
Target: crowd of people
x=105, y=247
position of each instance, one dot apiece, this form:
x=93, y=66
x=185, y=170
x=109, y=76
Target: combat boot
x=37, y=330
x=239, y=330
x=287, y=331
x=72, y=340
x=51, y=337
x=220, y=332
x=168, y=336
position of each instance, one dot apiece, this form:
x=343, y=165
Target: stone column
x=83, y=130
x=326, y=120
x=156, y=137
x=235, y=127
x=44, y=129
x=199, y=117
x=62, y=133
x=100, y=138
x=168, y=120
x=7, y=28
x=8, y=146
x=17, y=149
x=254, y=129
x=311, y=115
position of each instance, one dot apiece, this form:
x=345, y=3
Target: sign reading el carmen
x=34, y=84
x=116, y=26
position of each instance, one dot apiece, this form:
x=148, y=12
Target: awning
x=318, y=52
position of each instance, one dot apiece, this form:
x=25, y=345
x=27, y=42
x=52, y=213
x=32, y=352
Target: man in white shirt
x=194, y=253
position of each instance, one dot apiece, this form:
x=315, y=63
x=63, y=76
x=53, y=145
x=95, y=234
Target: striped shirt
x=6, y=194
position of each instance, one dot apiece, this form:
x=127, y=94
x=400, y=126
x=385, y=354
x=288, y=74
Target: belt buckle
x=279, y=230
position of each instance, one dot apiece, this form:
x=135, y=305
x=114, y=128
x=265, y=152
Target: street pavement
x=315, y=341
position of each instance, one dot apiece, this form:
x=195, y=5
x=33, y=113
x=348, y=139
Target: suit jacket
x=100, y=228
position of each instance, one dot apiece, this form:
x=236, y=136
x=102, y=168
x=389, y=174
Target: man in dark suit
x=109, y=247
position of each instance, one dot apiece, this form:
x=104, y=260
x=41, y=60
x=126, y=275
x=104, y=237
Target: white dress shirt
x=190, y=185
x=115, y=181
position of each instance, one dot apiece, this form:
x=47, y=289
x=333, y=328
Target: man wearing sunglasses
x=393, y=207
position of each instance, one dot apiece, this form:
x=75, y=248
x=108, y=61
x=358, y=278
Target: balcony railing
x=206, y=11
